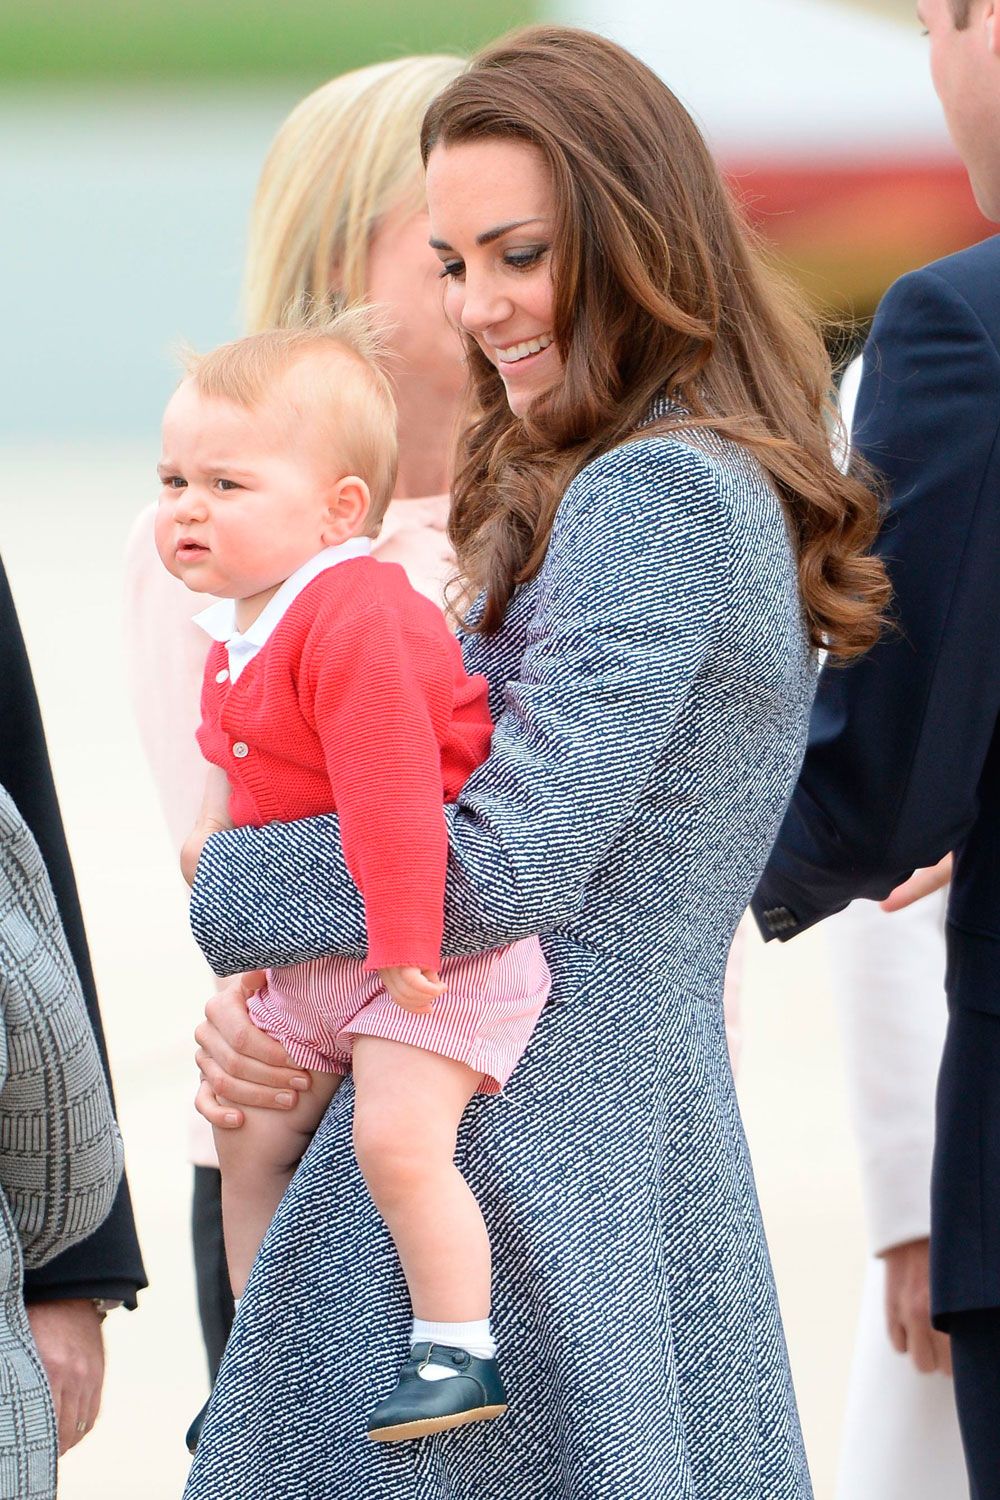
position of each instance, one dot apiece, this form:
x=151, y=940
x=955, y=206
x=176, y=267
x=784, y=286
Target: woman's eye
x=521, y=260
x=452, y=268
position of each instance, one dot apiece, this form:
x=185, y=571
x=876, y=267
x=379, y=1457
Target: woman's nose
x=485, y=305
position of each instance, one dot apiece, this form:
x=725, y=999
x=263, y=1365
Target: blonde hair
x=356, y=416
x=346, y=156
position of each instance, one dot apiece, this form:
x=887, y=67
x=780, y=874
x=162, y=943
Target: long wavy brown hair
x=659, y=290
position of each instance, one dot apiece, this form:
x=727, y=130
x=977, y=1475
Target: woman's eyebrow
x=489, y=235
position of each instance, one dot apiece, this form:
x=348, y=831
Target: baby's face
x=244, y=495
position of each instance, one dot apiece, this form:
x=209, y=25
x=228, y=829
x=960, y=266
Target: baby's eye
x=226, y=484
x=173, y=482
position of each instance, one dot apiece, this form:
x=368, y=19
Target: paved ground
x=63, y=520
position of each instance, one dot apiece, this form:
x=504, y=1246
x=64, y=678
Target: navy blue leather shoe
x=422, y=1403
x=194, y=1431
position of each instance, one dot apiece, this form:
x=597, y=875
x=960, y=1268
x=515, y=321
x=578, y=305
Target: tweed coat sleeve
x=60, y=1151
x=633, y=592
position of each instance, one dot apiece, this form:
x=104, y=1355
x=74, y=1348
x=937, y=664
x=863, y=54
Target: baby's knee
x=392, y=1161
x=265, y=1143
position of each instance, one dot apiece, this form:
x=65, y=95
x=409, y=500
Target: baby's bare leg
x=258, y=1162
x=407, y=1107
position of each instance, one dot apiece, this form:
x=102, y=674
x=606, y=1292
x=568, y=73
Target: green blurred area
x=129, y=41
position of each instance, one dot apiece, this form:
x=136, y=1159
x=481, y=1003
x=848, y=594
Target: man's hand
x=69, y=1341
x=412, y=988
x=240, y=1064
x=920, y=884
x=908, y=1308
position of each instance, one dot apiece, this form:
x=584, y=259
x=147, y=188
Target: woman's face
x=492, y=214
x=404, y=277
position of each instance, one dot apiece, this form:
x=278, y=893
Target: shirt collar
x=219, y=620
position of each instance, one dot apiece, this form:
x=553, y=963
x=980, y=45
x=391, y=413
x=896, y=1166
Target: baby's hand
x=195, y=842
x=414, y=989
x=213, y=818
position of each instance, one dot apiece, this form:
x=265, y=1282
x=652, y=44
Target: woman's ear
x=347, y=507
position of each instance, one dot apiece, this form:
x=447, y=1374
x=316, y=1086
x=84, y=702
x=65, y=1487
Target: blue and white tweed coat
x=652, y=688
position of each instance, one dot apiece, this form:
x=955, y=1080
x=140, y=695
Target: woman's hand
x=920, y=884
x=413, y=989
x=239, y=1064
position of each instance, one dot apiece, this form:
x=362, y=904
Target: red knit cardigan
x=358, y=704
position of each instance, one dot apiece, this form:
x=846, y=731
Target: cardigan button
x=240, y=750
x=222, y=676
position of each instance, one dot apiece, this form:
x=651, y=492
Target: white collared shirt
x=219, y=620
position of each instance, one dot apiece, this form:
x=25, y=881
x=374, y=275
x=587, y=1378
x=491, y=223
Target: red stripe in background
x=847, y=230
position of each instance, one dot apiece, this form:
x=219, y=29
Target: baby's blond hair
x=358, y=413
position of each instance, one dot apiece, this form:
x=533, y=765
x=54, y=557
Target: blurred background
x=131, y=135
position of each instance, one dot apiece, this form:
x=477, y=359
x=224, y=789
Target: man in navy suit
x=903, y=762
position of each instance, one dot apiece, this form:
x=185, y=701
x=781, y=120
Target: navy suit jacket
x=108, y=1264
x=903, y=762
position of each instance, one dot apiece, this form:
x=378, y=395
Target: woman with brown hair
x=658, y=540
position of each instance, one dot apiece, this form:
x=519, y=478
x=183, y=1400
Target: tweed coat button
x=240, y=750
x=222, y=676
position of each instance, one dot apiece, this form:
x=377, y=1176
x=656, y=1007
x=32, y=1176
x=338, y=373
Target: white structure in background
x=783, y=79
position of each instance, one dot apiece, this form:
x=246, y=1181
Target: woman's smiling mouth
x=514, y=353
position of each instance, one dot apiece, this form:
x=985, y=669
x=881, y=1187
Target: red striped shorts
x=484, y=1019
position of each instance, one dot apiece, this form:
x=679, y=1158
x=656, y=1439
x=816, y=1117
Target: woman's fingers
x=242, y=1080
x=244, y=1065
x=242, y=1048
x=231, y=1037
x=240, y=1062
x=221, y=1116
x=226, y=1012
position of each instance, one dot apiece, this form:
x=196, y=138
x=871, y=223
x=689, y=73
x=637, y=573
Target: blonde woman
x=339, y=216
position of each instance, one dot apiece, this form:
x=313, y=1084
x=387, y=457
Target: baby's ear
x=347, y=505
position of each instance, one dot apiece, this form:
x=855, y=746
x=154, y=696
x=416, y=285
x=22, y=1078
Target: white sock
x=474, y=1337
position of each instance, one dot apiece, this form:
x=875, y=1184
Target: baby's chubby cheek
x=164, y=540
